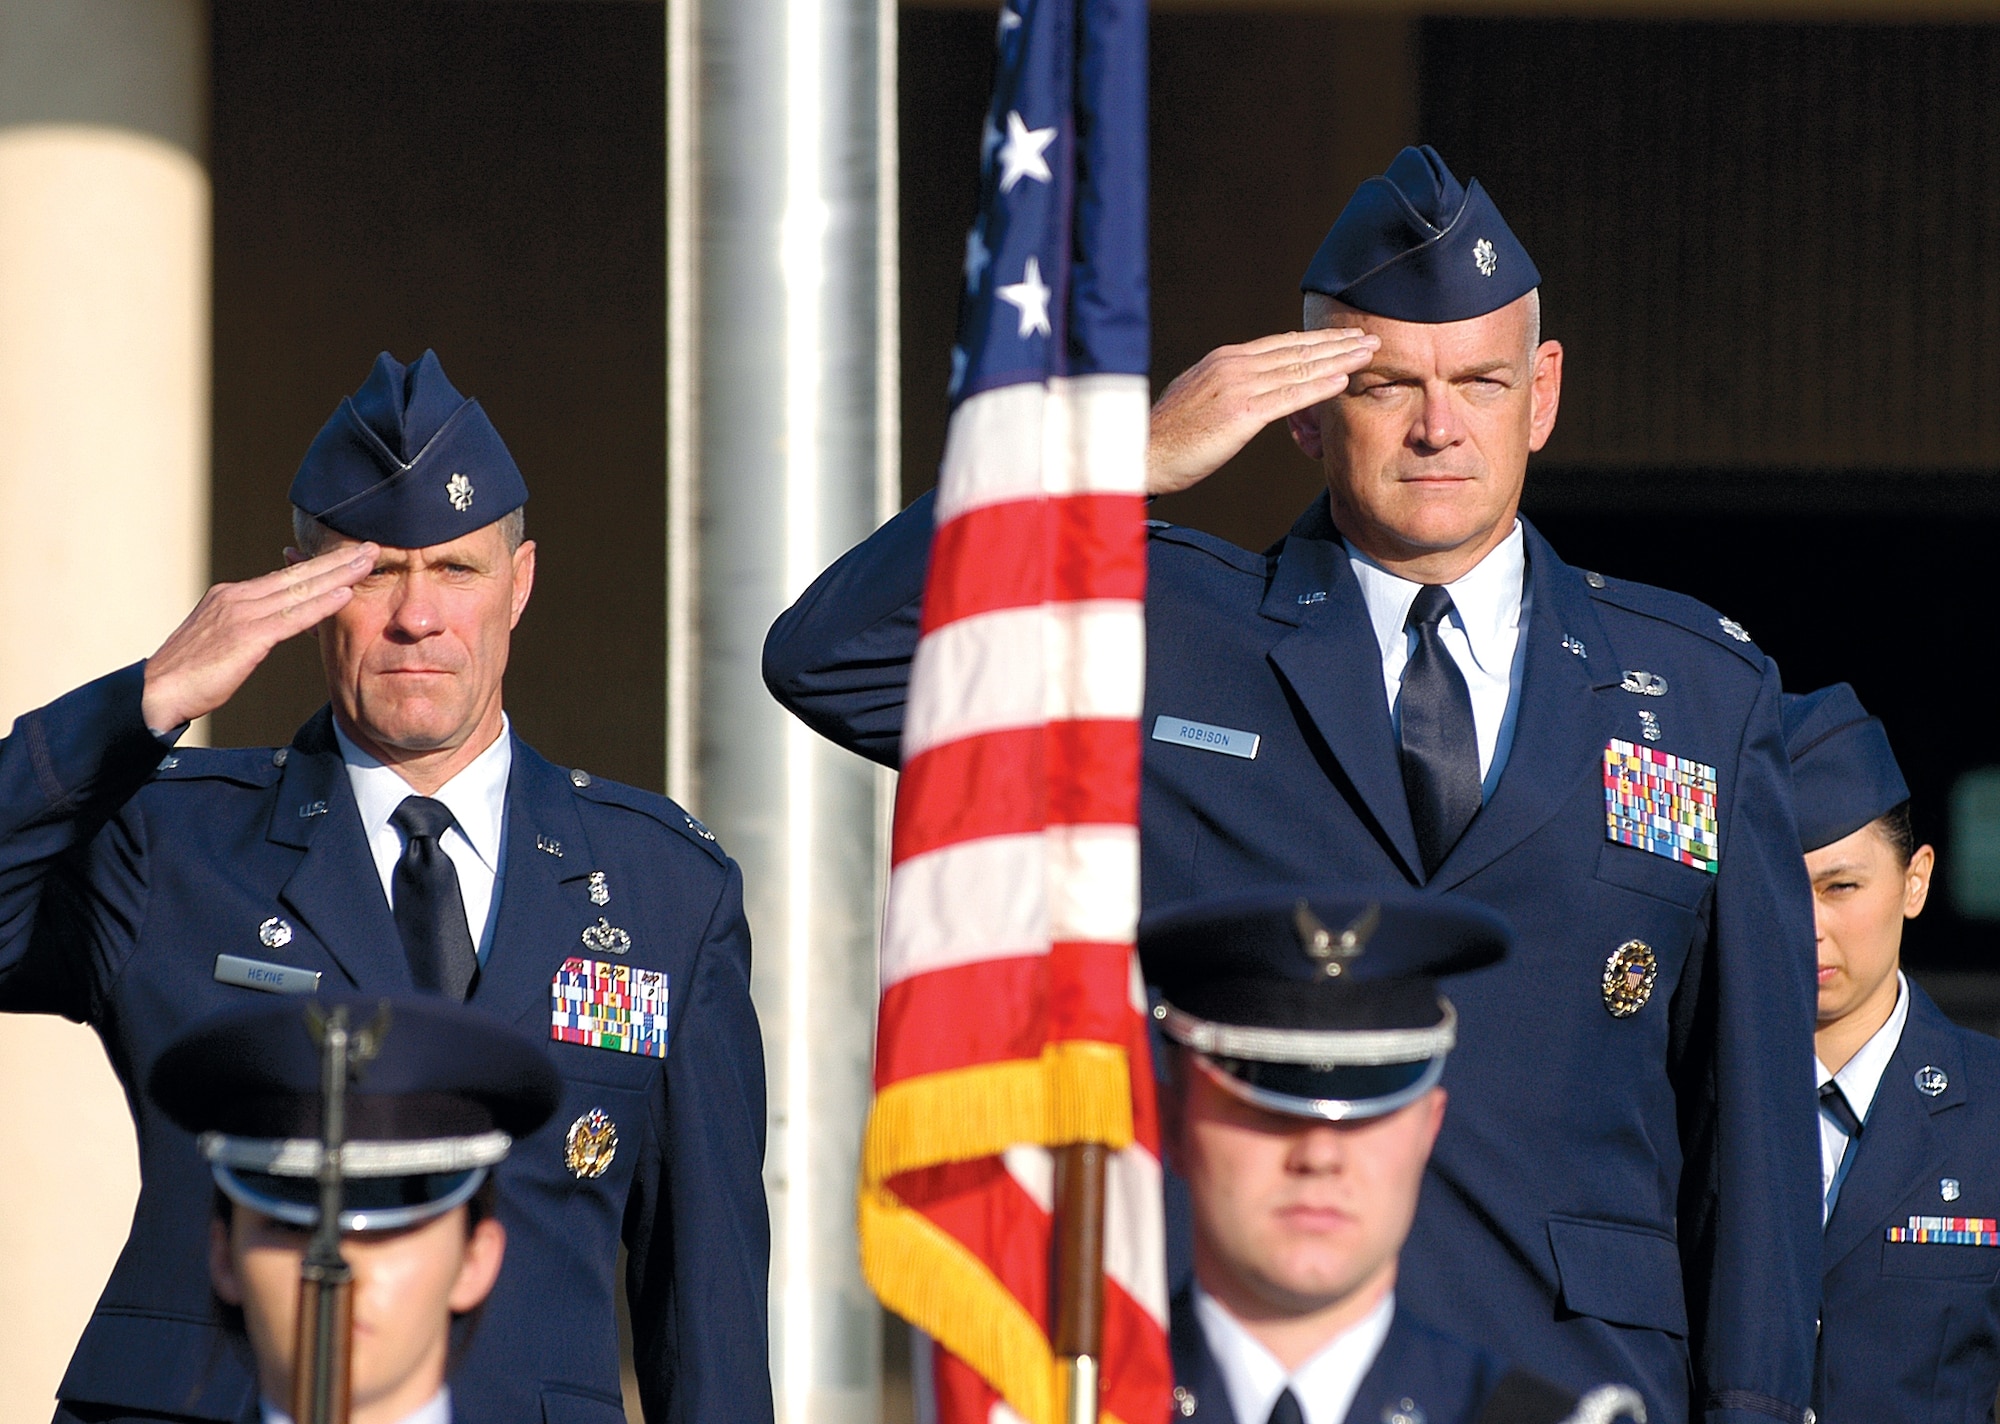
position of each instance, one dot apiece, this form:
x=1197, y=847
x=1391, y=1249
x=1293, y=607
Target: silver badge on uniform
x=1646, y=684
x=1948, y=1188
x=600, y=891
x=1931, y=1080
x=1628, y=978
x=1649, y=726
x=274, y=933
x=606, y=938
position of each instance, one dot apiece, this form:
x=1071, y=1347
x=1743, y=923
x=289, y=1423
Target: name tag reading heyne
x=271, y=978
x=1226, y=740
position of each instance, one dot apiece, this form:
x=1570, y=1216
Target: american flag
x=1012, y=1017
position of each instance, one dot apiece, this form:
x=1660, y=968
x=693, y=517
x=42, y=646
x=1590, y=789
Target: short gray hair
x=312, y=538
x=1322, y=310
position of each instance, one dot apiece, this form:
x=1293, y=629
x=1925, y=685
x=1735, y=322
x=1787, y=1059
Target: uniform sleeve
x=839, y=658
x=1751, y=1220
x=697, y=1228
x=65, y=771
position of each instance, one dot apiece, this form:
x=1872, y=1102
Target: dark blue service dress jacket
x=1614, y=1198
x=123, y=876
x=1420, y=1376
x=1910, y=1330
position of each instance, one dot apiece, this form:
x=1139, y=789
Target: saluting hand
x=1213, y=408
x=235, y=626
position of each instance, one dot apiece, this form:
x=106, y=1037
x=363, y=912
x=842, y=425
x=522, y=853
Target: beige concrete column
x=104, y=330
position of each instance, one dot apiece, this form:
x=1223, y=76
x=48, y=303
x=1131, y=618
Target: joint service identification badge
x=1661, y=803
x=604, y=1005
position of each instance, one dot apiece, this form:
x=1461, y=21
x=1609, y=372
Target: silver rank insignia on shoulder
x=1649, y=725
x=697, y=827
x=168, y=762
x=606, y=938
x=1646, y=684
x=591, y=1144
x=548, y=845
x=458, y=489
x=1931, y=1080
x=274, y=933
x=1734, y=629
x=1628, y=978
x=1593, y=578
x=1948, y=1188
x=579, y=777
x=600, y=891
x=280, y=756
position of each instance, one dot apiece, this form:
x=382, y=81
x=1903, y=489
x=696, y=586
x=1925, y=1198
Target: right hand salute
x=235, y=626
x=1213, y=408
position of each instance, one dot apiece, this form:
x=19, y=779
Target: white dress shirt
x=436, y=1410
x=1324, y=1385
x=1482, y=634
x=477, y=797
x=1858, y=1079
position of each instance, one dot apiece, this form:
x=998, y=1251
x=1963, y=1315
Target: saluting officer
x=1414, y=689
x=406, y=840
x=1307, y=1040
x=435, y=1103
x=1909, y=1104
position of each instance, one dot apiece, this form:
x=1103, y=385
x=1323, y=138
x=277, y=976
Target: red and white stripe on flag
x=1013, y=1019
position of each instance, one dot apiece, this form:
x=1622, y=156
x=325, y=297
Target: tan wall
x=103, y=536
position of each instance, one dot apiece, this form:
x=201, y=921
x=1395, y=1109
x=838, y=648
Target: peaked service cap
x=1413, y=244
x=407, y=461
x=1320, y=1004
x=445, y=1095
x=1843, y=773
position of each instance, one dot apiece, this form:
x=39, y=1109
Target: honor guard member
x=406, y=839
x=438, y=1095
x=1307, y=1039
x=1909, y=1104
x=1415, y=688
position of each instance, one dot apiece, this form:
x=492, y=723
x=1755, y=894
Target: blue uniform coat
x=1418, y=1374
x=1910, y=1331
x=1612, y=1199
x=123, y=876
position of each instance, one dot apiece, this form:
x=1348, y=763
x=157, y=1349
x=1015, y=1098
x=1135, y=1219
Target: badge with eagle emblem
x=591, y=1144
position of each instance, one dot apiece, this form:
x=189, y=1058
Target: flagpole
x=1079, y=1303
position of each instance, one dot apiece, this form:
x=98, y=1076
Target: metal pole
x=782, y=443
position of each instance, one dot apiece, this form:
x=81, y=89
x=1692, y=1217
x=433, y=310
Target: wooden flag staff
x=1079, y=1278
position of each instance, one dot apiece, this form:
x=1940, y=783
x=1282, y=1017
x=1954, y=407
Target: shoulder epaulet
x=245, y=766
x=1216, y=548
x=1678, y=609
x=650, y=804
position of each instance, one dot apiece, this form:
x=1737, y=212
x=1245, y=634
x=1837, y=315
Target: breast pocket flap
x=1627, y=1275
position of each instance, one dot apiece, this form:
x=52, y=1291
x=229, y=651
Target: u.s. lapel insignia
x=1185, y=1403
x=1404, y=1411
x=1661, y=803
x=605, y=937
x=600, y=889
x=1649, y=725
x=591, y=1144
x=1931, y=1080
x=1628, y=978
x=600, y=1004
x=549, y=846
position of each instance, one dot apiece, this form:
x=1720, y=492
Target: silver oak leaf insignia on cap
x=458, y=489
x=1485, y=258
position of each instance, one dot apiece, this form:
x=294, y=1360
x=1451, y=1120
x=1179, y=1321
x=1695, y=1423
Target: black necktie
x=1440, y=748
x=1834, y=1104
x=430, y=913
x=1286, y=1410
